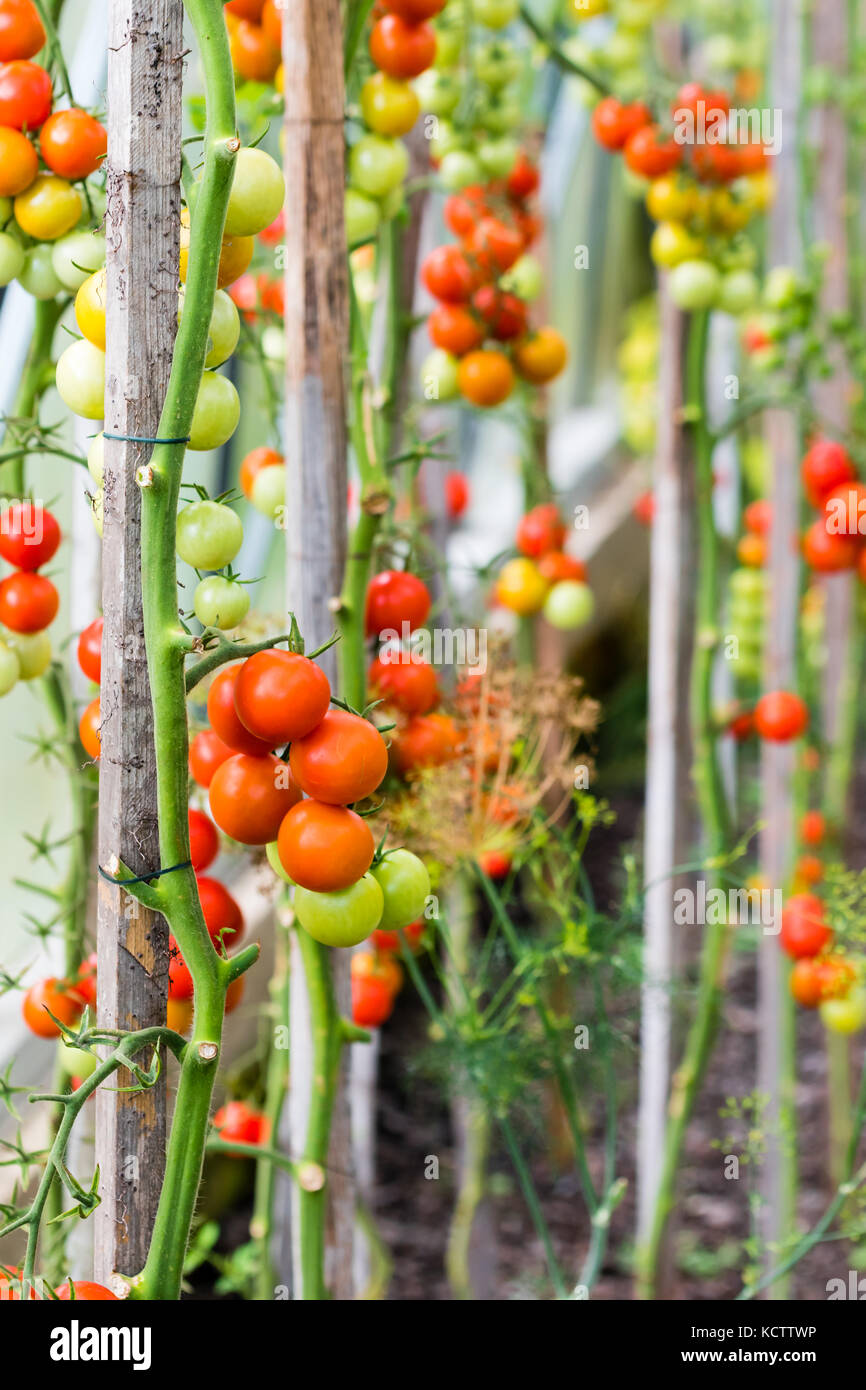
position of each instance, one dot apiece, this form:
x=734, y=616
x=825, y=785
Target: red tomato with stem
x=395, y=597
x=29, y=535
x=804, y=929
x=400, y=49
x=343, y=760
x=222, y=914
x=780, y=716
x=204, y=840
x=28, y=602
x=89, y=650
x=26, y=95
x=85, y=1291
x=207, y=752
x=51, y=996
x=494, y=245
x=504, y=314
x=280, y=696
x=224, y=719
x=323, y=847
x=73, y=143
x=410, y=685
x=614, y=122
x=693, y=96
x=249, y=796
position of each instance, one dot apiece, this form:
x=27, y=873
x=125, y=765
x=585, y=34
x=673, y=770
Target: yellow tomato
x=235, y=254
x=48, y=209
x=90, y=308
x=728, y=212
x=672, y=199
x=758, y=189
x=541, y=356
x=587, y=9
x=389, y=107
x=279, y=79
x=671, y=243
x=521, y=587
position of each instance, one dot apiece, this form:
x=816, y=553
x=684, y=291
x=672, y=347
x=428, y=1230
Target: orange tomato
x=19, y=162
x=541, y=357
x=485, y=377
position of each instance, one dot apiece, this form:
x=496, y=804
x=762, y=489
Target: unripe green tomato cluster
x=747, y=594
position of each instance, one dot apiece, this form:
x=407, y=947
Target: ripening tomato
x=804, y=982
x=245, y=9
x=29, y=535
x=485, y=377
x=21, y=30
x=204, y=841
x=33, y=651
x=280, y=696
x=222, y=914
x=73, y=143
x=780, y=716
x=28, y=602
x=808, y=870
x=503, y=313
x=372, y=1000
x=80, y=379
x=48, y=208
x=825, y=466
x=447, y=274
x=85, y=1291
x=752, y=550
x=206, y=753
x=613, y=122
x=249, y=796
x=758, y=517
x=324, y=847
x=804, y=929
x=343, y=760
x=649, y=152
x=409, y=684
x=219, y=602
x=257, y=194
x=555, y=566
x=272, y=20
x=542, y=529
x=493, y=245
x=812, y=828
x=254, y=462
x=89, y=729
x=377, y=165
x=19, y=162
x=224, y=718
x=395, y=598
x=541, y=356
x=343, y=918
x=389, y=107
x=51, y=996
x=845, y=1015
x=254, y=54
x=454, y=329
x=426, y=740
x=412, y=936
x=26, y=95
x=400, y=49
x=826, y=553
x=238, y=1123
x=524, y=178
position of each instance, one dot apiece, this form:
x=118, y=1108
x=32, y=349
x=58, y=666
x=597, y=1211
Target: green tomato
x=74, y=1061
x=377, y=164
x=392, y=203
x=445, y=139
x=220, y=602
x=739, y=291
x=76, y=256
x=10, y=668
x=257, y=196
x=209, y=535
x=405, y=885
x=694, y=285
x=276, y=863
x=99, y=202
x=847, y=1015
x=747, y=583
x=449, y=42
x=11, y=258
x=96, y=458
x=268, y=493
x=501, y=114
x=458, y=169
x=33, y=650
x=497, y=157
x=80, y=378
x=38, y=277
x=224, y=330
x=525, y=278
x=273, y=343
x=362, y=215
x=343, y=918
x=781, y=287
x=569, y=604
x=438, y=92
x=216, y=414
x=495, y=14
x=496, y=64
x=439, y=376
x=5, y=210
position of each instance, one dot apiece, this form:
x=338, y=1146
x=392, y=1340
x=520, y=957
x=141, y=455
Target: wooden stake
x=145, y=69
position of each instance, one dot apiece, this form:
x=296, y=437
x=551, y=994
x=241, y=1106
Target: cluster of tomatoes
x=544, y=578
x=44, y=154
x=701, y=195
x=834, y=541
x=29, y=537
x=255, y=29
x=820, y=978
x=779, y=716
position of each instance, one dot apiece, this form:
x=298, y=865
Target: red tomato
x=447, y=274
x=462, y=210
x=254, y=54
x=824, y=467
x=239, y=1123
x=272, y=21
x=486, y=378
x=11, y=1286
x=524, y=178
x=426, y=740
x=250, y=795
x=280, y=696
x=844, y=510
x=372, y=1001
x=410, y=685
x=21, y=31
x=224, y=718
x=812, y=828
x=395, y=597
x=613, y=122
x=207, y=752
x=804, y=929
x=414, y=11
x=254, y=462
x=323, y=847
x=271, y=294
x=88, y=730
x=28, y=602
x=717, y=163
x=454, y=328
x=645, y=508
x=90, y=650
x=693, y=94
x=85, y=984
x=245, y=296
x=400, y=49
x=456, y=494
x=343, y=760
x=804, y=982
x=204, y=841
x=540, y=530
x=555, y=565
x=275, y=232
x=73, y=143
x=29, y=535
x=85, y=1291
x=780, y=716
x=808, y=869
x=235, y=993
x=828, y=554
x=245, y=9
x=25, y=95
x=650, y=153
x=495, y=863
x=51, y=996
x=742, y=726
x=758, y=517
x=180, y=984
x=390, y=940
x=494, y=245
x=504, y=314
x=222, y=915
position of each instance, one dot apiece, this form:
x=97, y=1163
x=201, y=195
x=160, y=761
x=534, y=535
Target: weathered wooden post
x=145, y=70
